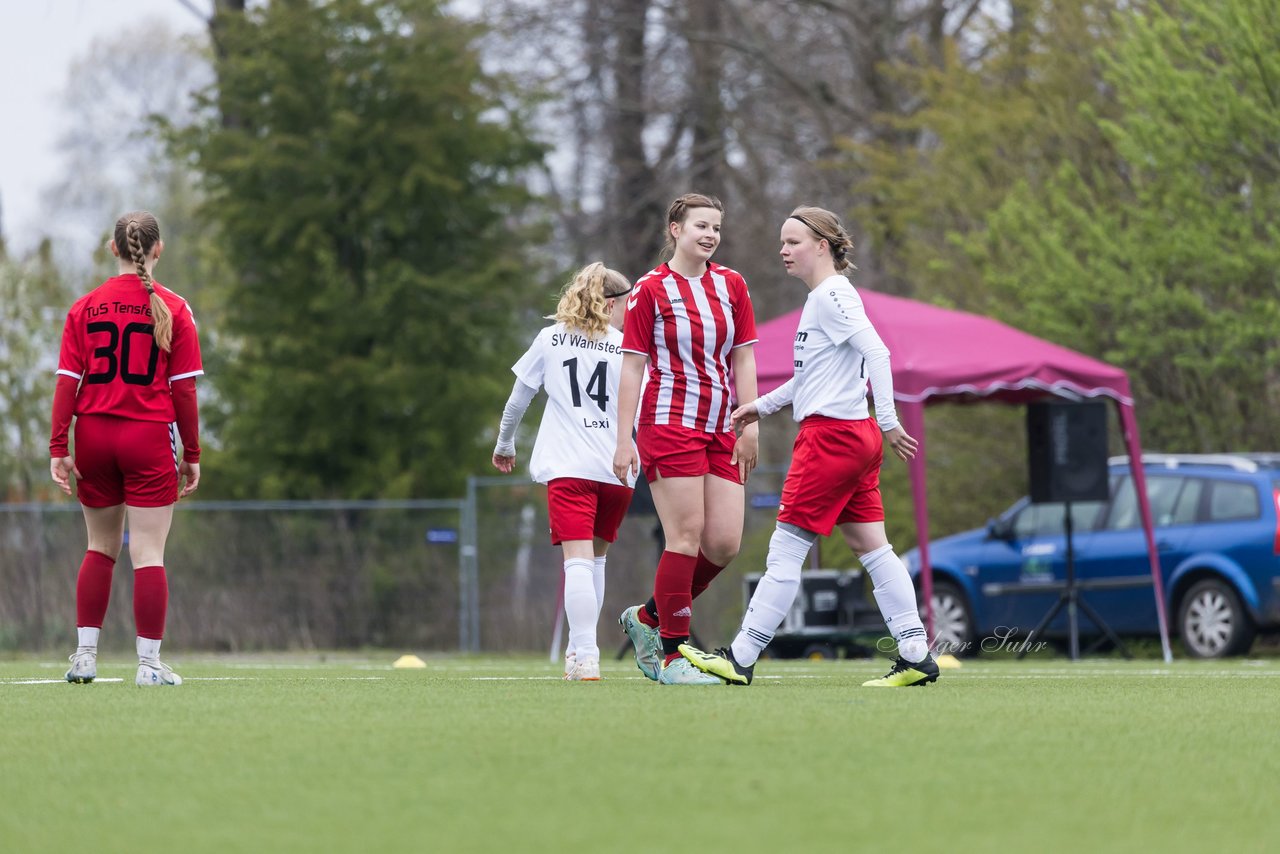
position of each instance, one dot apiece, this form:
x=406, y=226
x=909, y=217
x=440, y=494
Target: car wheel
x=819, y=651
x=1212, y=621
x=953, y=632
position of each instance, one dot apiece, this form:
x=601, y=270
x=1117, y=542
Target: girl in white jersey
x=834, y=477
x=578, y=360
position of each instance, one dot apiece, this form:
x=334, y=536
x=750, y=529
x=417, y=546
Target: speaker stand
x=1070, y=596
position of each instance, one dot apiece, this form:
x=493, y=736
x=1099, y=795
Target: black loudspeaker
x=1067, y=451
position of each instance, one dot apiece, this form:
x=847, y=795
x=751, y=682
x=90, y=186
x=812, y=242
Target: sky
x=38, y=43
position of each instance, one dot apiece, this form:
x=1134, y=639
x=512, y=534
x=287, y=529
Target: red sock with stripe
x=672, y=590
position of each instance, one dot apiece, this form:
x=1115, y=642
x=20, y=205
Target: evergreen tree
x=368, y=200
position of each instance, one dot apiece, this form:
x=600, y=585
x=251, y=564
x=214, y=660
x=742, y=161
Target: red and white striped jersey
x=687, y=328
x=107, y=345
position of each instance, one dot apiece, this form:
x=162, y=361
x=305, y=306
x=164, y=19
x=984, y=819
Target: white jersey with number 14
x=578, y=432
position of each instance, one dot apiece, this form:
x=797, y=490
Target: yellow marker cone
x=409, y=662
x=948, y=662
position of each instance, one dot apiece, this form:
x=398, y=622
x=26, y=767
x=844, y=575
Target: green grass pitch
x=344, y=753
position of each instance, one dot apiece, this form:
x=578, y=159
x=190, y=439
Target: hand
x=625, y=462
x=746, y=451
x=190, y=471
x=745, y=414
x=503, y=463
x=903, y=445
x=61, y=469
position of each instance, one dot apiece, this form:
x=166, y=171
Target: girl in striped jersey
x=691, y=321
x=834, y=479
x=577, y=360
x=126, y=373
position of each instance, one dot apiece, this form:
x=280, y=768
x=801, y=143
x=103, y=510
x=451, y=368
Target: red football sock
x=672, y=588
x=703, y=574
x=93, y=589
x=645, y=616
x=150, y=601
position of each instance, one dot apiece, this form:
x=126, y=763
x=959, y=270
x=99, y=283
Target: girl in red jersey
x=577, y=360
x=126, y=372
x=691, y=320
x=834, y=477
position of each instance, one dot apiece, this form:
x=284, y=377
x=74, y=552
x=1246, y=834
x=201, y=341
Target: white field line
x=498, y=671
x=612, y=678
x=47, y=681
x=4, y=681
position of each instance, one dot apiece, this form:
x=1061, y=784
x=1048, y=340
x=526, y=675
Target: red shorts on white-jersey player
x=581, y=509
x=834, y=476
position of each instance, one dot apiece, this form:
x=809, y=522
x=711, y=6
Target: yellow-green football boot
x=906, y=674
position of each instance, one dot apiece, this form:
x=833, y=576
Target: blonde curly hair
x=584, y=300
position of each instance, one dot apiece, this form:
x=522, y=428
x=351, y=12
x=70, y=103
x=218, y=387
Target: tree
x=1162, y=255
x=33, y=304
x=368, y=200
x=112, y=158
x=979, y=124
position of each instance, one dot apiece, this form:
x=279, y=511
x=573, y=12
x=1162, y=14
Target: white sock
x=87, y=637
x=897, y=600
x=597, y=576
x=148, y=649
x=773, y=596
x=580, y=607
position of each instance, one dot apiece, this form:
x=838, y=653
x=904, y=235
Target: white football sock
x=87, y=637
x=598, y=578
x=773, y=595
x=580, y=607
x=148, y=650
x=896, y=597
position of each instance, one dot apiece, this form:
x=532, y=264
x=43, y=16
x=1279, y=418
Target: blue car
x=1218, y=536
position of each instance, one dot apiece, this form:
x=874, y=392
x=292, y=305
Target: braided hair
x=137, y=233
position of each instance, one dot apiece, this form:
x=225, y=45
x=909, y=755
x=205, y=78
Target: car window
x=1162, y=494
x=1231, y=500
x=1040, y=520
x=1187, y=510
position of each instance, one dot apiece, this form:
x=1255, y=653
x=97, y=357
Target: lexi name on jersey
x=583, y=342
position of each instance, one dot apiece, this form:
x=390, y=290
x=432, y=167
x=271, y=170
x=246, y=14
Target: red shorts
x=834, y=476
x=123, y=461
x=581, y=509
x=670, y=450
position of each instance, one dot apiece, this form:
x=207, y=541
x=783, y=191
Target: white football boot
x=154, y=673
x=84, y=667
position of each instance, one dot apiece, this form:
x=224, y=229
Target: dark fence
x=344, y=575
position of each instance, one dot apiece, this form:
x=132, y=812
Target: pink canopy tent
x=941, y=355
